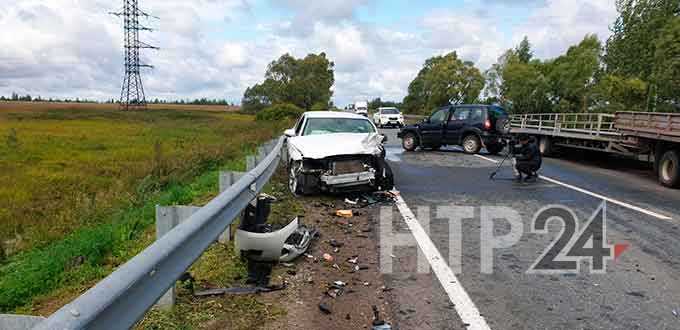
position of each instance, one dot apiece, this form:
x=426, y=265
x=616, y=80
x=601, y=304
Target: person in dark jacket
x=528, y=159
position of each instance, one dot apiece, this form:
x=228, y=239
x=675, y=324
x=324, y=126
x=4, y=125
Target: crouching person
x=528, y=160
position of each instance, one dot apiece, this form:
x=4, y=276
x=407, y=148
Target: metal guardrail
x=593, y=124
x=122, y=298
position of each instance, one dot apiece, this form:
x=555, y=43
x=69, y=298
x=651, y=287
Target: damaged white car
x=336, y=152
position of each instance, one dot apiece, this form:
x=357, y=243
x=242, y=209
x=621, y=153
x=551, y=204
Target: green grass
x=219, y=267
x=80, y=187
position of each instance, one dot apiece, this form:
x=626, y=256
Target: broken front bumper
x=348, y=180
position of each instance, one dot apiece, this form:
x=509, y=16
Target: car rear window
x=497, y=112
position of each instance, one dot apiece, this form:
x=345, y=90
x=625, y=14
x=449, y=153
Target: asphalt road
x=639, y=290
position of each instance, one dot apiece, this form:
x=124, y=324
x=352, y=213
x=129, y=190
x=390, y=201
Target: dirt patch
x=353, y=245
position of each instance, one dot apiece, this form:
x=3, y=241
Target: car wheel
x=294, y=182
x=669, y=169
x=471, y=144
x=409, y=142
x=494, y=149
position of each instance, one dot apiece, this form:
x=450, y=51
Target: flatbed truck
x=651, y=137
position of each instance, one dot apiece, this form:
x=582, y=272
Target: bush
x=280, y=112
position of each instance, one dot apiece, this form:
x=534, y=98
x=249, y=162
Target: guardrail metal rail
x=121, y=299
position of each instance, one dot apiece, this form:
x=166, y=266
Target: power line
x=132, y=93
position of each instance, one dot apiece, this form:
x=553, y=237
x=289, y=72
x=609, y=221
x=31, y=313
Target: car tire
x=472, y=144
x=669, y=169
x=295, y=181
x=409, y=142
x=494, y=149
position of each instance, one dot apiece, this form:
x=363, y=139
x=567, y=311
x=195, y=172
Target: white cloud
x=50, y=51
x=563, y=23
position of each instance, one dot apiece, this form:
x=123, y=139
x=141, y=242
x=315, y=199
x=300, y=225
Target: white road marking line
x=596, y=195
x=487, y=158
x=608, y=199
x=466, y=309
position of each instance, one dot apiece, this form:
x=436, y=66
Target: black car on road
x=471, y=126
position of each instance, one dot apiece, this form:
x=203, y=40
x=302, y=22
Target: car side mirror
x=384, y=138
x=426, y=120
x=289, y=132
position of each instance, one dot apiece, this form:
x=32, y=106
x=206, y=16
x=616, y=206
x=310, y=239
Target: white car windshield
x=316, y=126
x=390, y=112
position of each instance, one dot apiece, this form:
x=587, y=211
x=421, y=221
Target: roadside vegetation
x=79, y=183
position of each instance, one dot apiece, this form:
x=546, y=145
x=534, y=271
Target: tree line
x=15, y=97
x=636, y=69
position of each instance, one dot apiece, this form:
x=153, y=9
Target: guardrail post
x=167, y=218
x=226, y=180
x=251, y=163
x=261, y=154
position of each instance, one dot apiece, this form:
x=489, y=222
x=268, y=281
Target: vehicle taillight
x=487, y=124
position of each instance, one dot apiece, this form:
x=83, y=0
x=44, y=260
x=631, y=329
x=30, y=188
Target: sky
x=217, y=48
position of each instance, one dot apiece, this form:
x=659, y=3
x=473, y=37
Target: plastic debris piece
x=325, y=309
x=344, y=213
x=328, y=257
x=351, y=202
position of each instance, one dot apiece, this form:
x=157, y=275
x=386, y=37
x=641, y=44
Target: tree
x=525, y=87
x=302, y=82
x=524, y=52
x=631, y=48
x=572, y=75
x=615, y=93
x=494, y=79
x=666, y=74
x=444, y=80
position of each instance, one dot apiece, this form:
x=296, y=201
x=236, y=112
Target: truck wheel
x=409, y=142
x=546, y=146
x=669, y=169
x=471, y=144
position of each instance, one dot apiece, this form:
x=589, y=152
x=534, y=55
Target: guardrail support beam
x=167, y=218
x=226, y=180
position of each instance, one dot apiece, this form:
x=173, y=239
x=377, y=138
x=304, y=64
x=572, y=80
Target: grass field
x=78, y=183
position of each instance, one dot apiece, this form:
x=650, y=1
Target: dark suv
x=471, y=126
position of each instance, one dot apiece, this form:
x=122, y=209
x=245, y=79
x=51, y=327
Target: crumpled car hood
x=327, y=145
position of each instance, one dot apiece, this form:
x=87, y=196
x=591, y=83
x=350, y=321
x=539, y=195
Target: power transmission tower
x=132, y=94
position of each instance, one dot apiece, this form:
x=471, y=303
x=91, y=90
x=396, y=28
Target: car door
x=432, y=129
x=455, y=126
